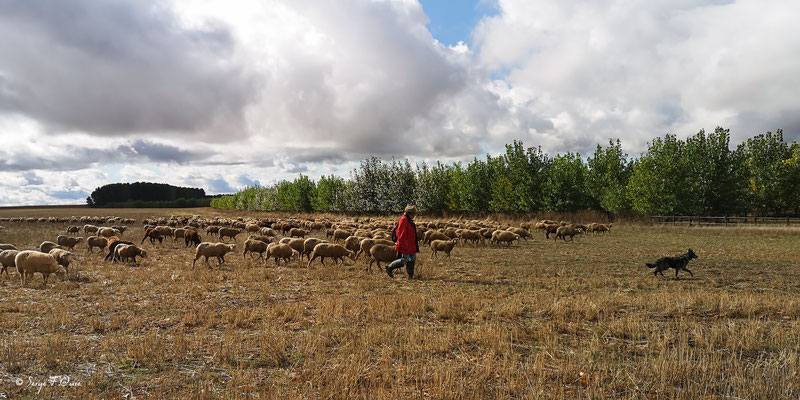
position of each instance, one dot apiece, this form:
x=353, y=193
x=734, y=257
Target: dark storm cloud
x=117, y=66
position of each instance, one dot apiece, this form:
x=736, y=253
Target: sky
x=222, y=95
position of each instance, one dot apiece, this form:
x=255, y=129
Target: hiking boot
x=389, y=270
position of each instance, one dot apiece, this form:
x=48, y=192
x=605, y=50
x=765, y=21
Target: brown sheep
x=208, y=249
x=73, y=229
x=108, y=232
x=434, y=235
x=6, y=246
x=523, y=233
x=30, y=262
x=153, y=234
x=442, y=245
x=281, y=251
x=7, y=261
x=295, y=243
x=191, y=237
x=340, y=234
x=353, y=243
x=265, y=239
x=63, y=257
x=68, y=242
x=47, y=245
x=308, y=247
x=212, y=230
x=128, y=252
x=335, y=251
x=473, y=236
x=507, y=237
x=601, y=228
x=228, y=232
x=550, y=229
x=381, y=253
x=113, y=242
x=298, y=232
x=563, y=231
x=255, y=246
x=366, y=244
x=96, y=241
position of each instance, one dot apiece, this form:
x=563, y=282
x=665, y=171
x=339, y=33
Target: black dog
x=678, y=263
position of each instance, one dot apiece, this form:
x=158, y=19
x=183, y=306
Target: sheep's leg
x=44, y=281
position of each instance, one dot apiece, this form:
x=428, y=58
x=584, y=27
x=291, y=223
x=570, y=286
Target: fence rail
x=677, y=220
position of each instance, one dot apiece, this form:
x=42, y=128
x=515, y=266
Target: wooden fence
x=688, y=220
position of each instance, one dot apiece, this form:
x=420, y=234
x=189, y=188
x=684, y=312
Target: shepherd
x=405, y=237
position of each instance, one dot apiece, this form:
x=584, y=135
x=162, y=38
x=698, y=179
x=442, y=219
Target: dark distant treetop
x=141, y=191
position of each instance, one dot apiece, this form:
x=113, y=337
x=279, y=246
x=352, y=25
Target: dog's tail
x=650, y=265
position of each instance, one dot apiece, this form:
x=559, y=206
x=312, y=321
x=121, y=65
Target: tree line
x=142, y=194
x=701, y=175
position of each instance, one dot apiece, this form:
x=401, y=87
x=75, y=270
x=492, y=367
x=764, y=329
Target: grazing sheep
x=507, y=237
x=68, y=241
x=126, y=252
x=228, y=232
x=366, y=244
x=73, y=229
x=381, y=253
x=353, y=243
x=208, y=249
x=87, y=229
x=335, y=251
x=298, y=232
x=268, y=232
x=212, y=230
x=30, y=262
x=113, y=242
x=254, y=246
x=252, y=228
x=153, y=234
x=5, y=246
x=63, y=257
x=434, y=235
x=7, y=260
x=178, y=233
x=563, y=231
x=265, y=239
x=442, y=245
x=308, y=247
x=282, y=251
x=47, y=245
x=121, y=229
x=191, y=237
x=96, y=241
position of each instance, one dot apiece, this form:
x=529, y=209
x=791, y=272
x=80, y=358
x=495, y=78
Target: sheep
x=340, y=234
x=366, y=244
x=228, y=232
x=178, y=233
x=282, y=251
x=125, y=252
x=442, y=245
x=499, y=237
x=335, y=251
x=268, y=232
x=113, y=242
x=7, y=260
x=523, y=233
x=434, y=235
x=254, y=246
x=29, y=262
x=208, y=249
x=381, y=253
x=563, y=231
x=298, y=232
x=87, y=229
x=47, y=245
x=472, y=236
x=601, y=228
x=73, y=229
x=5, y=246
x=108, y=232
x=252, y=228
x=212, y=230
x=191, y=237
x=63, y=257
x=353, y=243
x=68, y=242
x=295, y=243
x=121, y=229
x=96, y=241
x=153, y=234
x=549, y=229
x=308, y=246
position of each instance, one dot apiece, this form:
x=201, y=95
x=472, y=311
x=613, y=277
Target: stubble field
x=538, y=320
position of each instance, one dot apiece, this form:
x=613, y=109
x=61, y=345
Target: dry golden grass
x=538, y=320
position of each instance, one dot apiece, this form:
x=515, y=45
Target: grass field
x=537, y=320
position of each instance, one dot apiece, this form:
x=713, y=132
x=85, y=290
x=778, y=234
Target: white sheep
x=7, y=260
x=30, y=262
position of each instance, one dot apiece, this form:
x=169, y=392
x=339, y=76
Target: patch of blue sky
x=452, y=21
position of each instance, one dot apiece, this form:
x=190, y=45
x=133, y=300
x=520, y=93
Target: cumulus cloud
x=117, y=67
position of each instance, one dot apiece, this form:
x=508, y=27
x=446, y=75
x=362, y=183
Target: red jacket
x=406, y=236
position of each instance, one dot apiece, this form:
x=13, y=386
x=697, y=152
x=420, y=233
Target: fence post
x=726, y=220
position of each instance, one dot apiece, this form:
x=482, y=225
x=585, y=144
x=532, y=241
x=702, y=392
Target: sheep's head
x=143, y=253
x=61, y=274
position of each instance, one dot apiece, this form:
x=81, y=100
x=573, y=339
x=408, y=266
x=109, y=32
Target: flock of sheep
x=278, y=239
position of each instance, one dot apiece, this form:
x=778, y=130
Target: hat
x=411, y=209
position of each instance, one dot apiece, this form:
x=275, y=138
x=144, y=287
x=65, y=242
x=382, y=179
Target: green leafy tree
x=607, y=180
x=654, y=186
x=566, y=183
x=763, y=157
